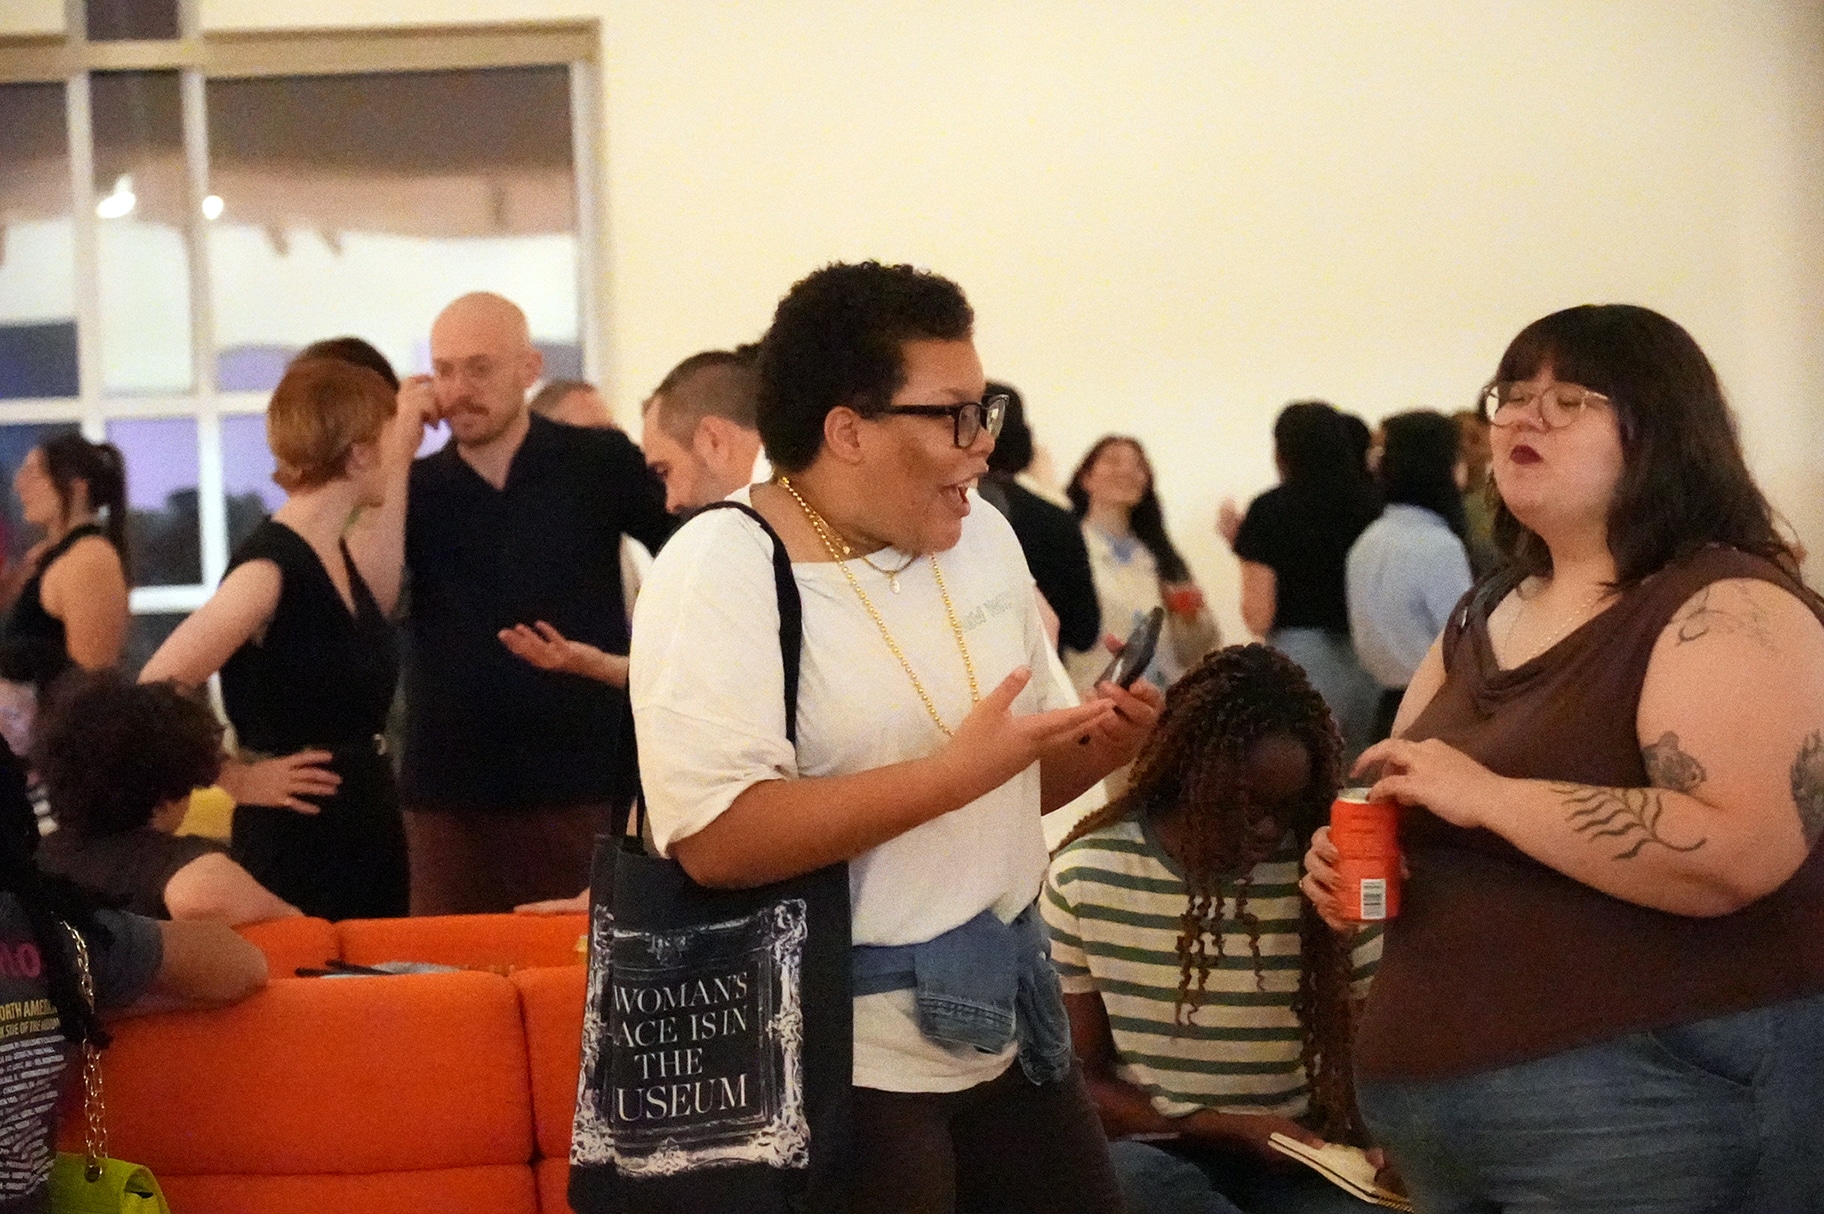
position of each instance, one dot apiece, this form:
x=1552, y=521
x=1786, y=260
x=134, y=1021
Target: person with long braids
x=41, y=1002
x=1135, y=563
x=1210, y=1005
x=71, y=609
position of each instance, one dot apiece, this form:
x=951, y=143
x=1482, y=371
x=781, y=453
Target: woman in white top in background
x=1136, y=566
x=927, y=748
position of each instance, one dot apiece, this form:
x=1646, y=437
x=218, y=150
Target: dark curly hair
x=1197, y=758
x=835, y=341
x=1146, y=520
x=1684, y=483
x=111, y=752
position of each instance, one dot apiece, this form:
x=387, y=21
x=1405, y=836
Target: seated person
x=1209, y=1004
x=137, y=965
x=119, y=762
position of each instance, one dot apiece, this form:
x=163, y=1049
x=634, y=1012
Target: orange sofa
x=450, y=1092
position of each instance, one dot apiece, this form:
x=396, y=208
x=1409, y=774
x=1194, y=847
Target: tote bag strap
x=791, y=637
x=791, y=613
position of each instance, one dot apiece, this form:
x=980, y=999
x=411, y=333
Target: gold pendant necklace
x=840, y=551
x=892, y=575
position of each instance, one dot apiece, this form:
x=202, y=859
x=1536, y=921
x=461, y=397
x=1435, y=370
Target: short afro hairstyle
x=111, y=752
x=835, y=341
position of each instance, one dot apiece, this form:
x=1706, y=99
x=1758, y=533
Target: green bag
x=122, y=1188
x=92, y=1183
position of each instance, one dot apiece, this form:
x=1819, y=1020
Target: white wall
x=1172, y=216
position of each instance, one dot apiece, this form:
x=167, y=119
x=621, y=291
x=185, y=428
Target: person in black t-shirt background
x=1292, y=544
x=1048, y=532
x=508, y=770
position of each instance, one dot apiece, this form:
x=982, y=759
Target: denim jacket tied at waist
x=984, y=984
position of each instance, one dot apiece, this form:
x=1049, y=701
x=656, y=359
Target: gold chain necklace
x=1582, y=613
x=840, y=551
x=892, y=575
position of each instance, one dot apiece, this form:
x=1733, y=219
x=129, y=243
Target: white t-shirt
x=708, y=696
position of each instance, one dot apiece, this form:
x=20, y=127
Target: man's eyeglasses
x=1504, y=404
x=970, y=418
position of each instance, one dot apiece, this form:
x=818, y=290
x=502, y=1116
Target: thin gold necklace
x=840, y=552
x=1581, y=614
x=892, y=575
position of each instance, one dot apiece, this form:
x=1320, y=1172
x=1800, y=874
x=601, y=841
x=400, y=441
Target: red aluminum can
x=1367, y=834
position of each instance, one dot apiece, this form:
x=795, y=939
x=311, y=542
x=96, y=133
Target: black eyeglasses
x=970, y=418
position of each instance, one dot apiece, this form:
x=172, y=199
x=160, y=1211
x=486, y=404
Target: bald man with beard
x=509, y=770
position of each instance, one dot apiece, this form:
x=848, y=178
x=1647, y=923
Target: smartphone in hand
x=1137, y=654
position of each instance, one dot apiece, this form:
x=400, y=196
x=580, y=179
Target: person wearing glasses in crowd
x=929, y=739
x=1605, y=989
x=509, y=771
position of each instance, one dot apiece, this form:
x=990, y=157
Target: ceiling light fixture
x=121, y=202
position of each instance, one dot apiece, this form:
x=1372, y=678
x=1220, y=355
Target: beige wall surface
x=1172, y=217
x=19, y=17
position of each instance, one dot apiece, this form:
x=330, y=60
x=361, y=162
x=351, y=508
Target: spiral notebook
x=1345, y=1167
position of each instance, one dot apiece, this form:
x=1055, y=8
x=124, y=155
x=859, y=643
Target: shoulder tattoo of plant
x=1670, y=767
x=1630, y=816
x=1808, y=787
x=1705, y=615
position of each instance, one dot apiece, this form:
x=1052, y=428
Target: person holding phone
x=1135, y=564
x=929, y=737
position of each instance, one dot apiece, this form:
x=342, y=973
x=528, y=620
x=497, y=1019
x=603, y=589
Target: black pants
x=1003, y=1147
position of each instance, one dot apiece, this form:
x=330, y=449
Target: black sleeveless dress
x=321, y=678
x=35, y=649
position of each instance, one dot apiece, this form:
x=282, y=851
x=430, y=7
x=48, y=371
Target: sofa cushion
x=551, y=1002
x=496, y=942
x=289, y=943
x=553, y=1186
x=500, y=1189
x=327, y=1075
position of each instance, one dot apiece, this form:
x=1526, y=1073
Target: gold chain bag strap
x=93, y=1183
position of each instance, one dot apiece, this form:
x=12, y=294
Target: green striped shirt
x=1113, y=901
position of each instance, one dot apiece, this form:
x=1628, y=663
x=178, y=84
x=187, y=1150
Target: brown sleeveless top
x=1496, y=958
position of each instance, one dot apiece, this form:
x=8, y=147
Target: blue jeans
x=1336, y=674
x=1720, y=1115
x=1158, y=1181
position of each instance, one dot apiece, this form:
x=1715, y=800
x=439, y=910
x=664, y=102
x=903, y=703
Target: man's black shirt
x=485, y=729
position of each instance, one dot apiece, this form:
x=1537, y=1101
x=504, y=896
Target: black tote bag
x=718, y=1028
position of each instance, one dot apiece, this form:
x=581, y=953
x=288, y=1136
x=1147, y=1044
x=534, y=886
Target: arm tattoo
x=1627, y=815
x=1670, y=767
x=1808, y=787
x=1704, y=617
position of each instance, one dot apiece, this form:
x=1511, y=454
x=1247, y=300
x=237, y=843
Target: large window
x=180, y=214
